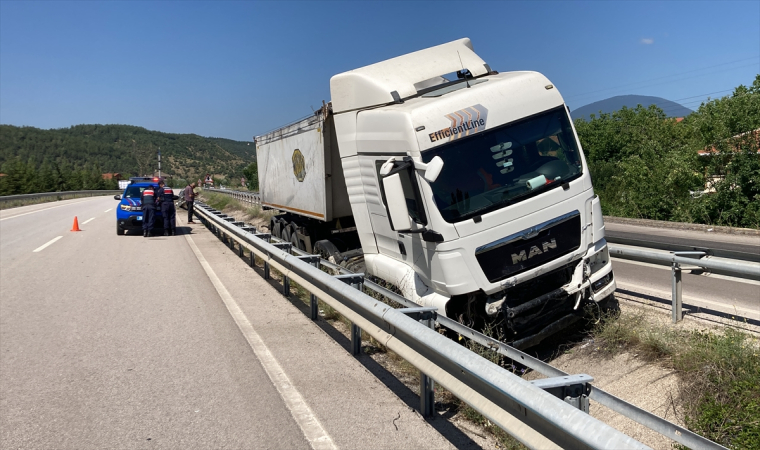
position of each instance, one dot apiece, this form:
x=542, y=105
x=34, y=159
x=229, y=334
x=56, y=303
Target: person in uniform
x=148, y=199
x=165, y=196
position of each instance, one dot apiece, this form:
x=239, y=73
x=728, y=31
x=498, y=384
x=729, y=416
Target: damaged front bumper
x=531, y=314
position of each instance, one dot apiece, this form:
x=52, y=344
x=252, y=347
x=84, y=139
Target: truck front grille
x=530, y=248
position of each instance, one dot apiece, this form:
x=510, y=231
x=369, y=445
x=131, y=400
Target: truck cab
x=472, y=195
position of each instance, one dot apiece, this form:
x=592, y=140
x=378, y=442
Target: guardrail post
x=573, y=389
x=356, y=340
x=264, y=236
x=285, y=246
x=426, y=316
x=427, y=385
x=314, y=260
x=677, y=293
x=355, y=280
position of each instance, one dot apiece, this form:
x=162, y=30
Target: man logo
x=299, y=165
x=534, y=251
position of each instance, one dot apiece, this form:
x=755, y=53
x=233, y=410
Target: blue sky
x=239, y=68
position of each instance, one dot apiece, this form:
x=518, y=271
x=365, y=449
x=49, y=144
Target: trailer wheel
x=297, y=243
x=285, y=233
x=275, y=231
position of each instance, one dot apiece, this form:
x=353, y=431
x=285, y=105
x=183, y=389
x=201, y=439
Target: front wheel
x=119, y=230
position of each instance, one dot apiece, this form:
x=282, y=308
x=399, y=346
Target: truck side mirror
x=394, y=195
x=433, y=169
x=117, y=197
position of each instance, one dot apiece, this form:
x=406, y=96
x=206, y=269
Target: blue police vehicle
x=129, y=215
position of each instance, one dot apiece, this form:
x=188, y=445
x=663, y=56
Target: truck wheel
x=326, y=249
x=285, y=236
x=275, y=231
x=297, y=243
x=610, y=305
x=119, y=230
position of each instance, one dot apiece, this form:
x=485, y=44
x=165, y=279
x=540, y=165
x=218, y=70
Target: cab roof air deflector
x=374, y=84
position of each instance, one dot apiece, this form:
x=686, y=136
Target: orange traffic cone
x=76, y=225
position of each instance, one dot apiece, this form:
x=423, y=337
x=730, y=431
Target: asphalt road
x=703, y=293
x=113, y=341
x=747, y=245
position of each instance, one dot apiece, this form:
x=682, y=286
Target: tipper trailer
x=463, y=187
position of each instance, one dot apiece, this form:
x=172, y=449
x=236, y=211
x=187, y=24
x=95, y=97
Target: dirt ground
x=647, y=385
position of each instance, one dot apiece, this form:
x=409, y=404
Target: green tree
x=251, y=174
x=648, y=166
x=634, y=156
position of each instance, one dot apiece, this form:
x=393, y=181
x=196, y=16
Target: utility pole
x=159, y=162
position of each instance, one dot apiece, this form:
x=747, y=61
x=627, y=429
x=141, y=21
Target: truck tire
x=275, y=231
x=610, y=305
x=285, y=236
x=119, y=230
x=326, y=249
x=296, y=242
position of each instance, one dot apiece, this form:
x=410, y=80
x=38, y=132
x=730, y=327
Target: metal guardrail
x=60, y=195
x=677, y=261
x=526, y=411
x=736, y=264
x=253, y=198
x=672, y=431
x=671, y=247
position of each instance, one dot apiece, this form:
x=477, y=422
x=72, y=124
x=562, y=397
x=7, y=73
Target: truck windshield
x=499, y=167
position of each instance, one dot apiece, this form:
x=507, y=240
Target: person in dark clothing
x=165, y=196
x=148, y=199
x=189, y=200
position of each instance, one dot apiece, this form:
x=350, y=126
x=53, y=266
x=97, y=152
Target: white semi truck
x=465, y=188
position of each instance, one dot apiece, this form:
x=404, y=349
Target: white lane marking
x=109, y=209
x=88, y=220
x=299, y=409
x=685, y=298
x=40, y=210
x=710, y=275
x=43, y=247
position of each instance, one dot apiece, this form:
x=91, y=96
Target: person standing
x=166, y=197
x=148, y=200
x=189, y=200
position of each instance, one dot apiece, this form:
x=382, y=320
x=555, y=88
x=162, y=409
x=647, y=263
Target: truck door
x=389, y=242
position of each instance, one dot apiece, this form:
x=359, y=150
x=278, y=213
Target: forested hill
x=125, y=149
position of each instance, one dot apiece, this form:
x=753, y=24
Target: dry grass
x=253, y=214
x=718, y=370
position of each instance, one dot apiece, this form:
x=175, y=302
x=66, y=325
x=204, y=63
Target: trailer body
x=471, y=195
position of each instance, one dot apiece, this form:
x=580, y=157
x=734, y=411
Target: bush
x=719, y=373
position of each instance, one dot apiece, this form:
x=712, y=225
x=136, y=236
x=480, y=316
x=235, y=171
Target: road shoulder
x=356, y=409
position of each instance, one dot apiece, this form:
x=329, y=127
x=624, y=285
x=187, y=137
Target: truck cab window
x=411, y=193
